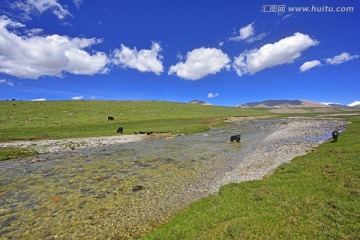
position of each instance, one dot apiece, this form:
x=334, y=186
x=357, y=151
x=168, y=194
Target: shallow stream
x=82, y=193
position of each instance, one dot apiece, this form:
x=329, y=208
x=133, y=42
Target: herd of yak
x=237, y=138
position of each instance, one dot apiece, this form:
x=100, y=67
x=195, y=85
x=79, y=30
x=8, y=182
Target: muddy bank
x=91, y=191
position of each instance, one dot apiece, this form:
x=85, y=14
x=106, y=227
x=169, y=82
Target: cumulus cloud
x=285, y=51
x=247, y=33
x=33, y=7
x=39, y=100
x=7, y=82
x=77, y=97
x=329, y=103
x=341, y=58
x=309, y=65
x=144, y=60
x=201, y=62
x=212, y=95
x=35, y=56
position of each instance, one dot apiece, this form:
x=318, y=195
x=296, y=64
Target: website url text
x=312, y=9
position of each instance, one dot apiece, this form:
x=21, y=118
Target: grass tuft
x=14, y=153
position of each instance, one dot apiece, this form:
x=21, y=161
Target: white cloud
x=201, y=62
x=310, y=64
x=328, y=103
x=245, y=32
x=179, y=56
x=36, y=56
x=7, y=82
x=145, y=60
x=33, y=32
x=212, y=95
x=256, y=38
x=248, y=33
x=77, y=97
x=33, y=7
x=354, y=104
x=39, y=100
x=287, y=50
x=78, y=3
x=287, y=16
x=341, y=58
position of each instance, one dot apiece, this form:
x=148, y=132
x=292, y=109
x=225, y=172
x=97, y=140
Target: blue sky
x=225, y=52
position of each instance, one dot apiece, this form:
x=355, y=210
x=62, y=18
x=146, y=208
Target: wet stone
x=137, y=188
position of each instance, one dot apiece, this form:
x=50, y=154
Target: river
x=126, y=190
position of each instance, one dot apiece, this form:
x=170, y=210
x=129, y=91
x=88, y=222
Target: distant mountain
x=355, y=104
x=199, y=102
x=282, y=104
x=337, y=105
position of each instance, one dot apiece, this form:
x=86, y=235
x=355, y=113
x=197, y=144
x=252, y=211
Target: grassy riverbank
x=23, y=120
x=69, y=119
x=314, y=197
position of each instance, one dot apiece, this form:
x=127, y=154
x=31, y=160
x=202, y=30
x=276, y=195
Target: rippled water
x=90, y=192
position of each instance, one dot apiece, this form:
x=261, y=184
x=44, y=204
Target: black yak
x=335, y=135
x=120, y=130
x=235, y=138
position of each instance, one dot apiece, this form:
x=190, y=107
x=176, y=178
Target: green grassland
x=24, y=120
x=316, y=196
x=68, y=119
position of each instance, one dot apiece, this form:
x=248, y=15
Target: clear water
x=89, y=192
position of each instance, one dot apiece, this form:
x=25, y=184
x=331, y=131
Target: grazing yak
x=235, y=138
x=111, y=118
x=147, y=133
x=335, y=135
x=120, y=130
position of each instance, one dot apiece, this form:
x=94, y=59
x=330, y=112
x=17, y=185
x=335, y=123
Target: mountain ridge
x=282, y=104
